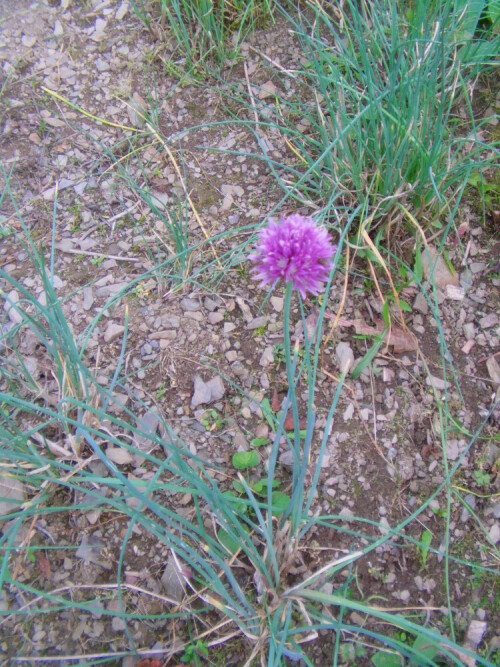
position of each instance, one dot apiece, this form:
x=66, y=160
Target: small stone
x=384, y=526
x=268, y=89
x=9, y=307
x=437, y=383
x=455, y=293
x=215, y=318
x=190, y=305
x=210, y=304
x=28, y=41
x=471, y=501
x=475, y=633
x=267, y=357
x=231, y=355
x=494, y=533
x=277, y=303
x=58, y=29
x=469, y=330
x=348, y=412
x=88, y=298
x=477, y=267
x=345, y=357
x=172, y=581
x=441, y=274
x=113, y=331
x=121, y=11
x=421, y=304
x=11, y=494
x=257, y=322
x=119, y=455
x=488, y=321
x=404, y=466
x=118, y=624
x=207, y=392
x=228, y=327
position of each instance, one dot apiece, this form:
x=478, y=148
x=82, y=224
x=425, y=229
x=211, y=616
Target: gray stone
x=215, y=318
x=421, y=304
x=345, y=357
x=191, y=305
x=113, y=331
x=11, y=494
x=207, y=392
x=172, y=582
x=488, y=321
x=258, y=322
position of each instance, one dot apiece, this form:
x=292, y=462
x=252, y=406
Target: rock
x=345, y=357
x=471, y=502
x=247, y=314
x=494, y=533
x=257, y=322
x=421, y=304
x=121, y=11
x=348, y=412
x=119, y=455
x=88, y=298
x=58, y=29
x=493, y=369
x=441, y=274
x=437, y=383
x=287, y=459
x=9, y=307
x=267, y=357
x=455, y=293
x=149, y=424
x=207, y=392
x=469, y=330
x=137, y=110
x=172, y=581
x=488, y=321
x=268, y=89
x=404, y=467
x=113, y=331
x=277, y=303
x=475, y=634
x=11, y=494
x=190, y=305
x=215, y=318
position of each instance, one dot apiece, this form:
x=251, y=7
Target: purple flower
x=294, y=249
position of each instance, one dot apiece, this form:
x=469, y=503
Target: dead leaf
x=396, y=337
x=44, y=565
x=289, y=423
x=275, y=403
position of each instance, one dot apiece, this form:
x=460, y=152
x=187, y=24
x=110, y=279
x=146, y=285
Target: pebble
x=113, y=331
x=494, y=533
x=190, y=305
x=421, y=304
x=215, y=318
x=488, y=321
x=469, y=330
x=9, y=307
x=471, y=501
x=258, y=322
x=267, y=357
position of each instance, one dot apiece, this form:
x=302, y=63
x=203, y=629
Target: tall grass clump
x=378, y=104
x=205, y=32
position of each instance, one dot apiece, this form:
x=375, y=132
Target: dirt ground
x=64, y=66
